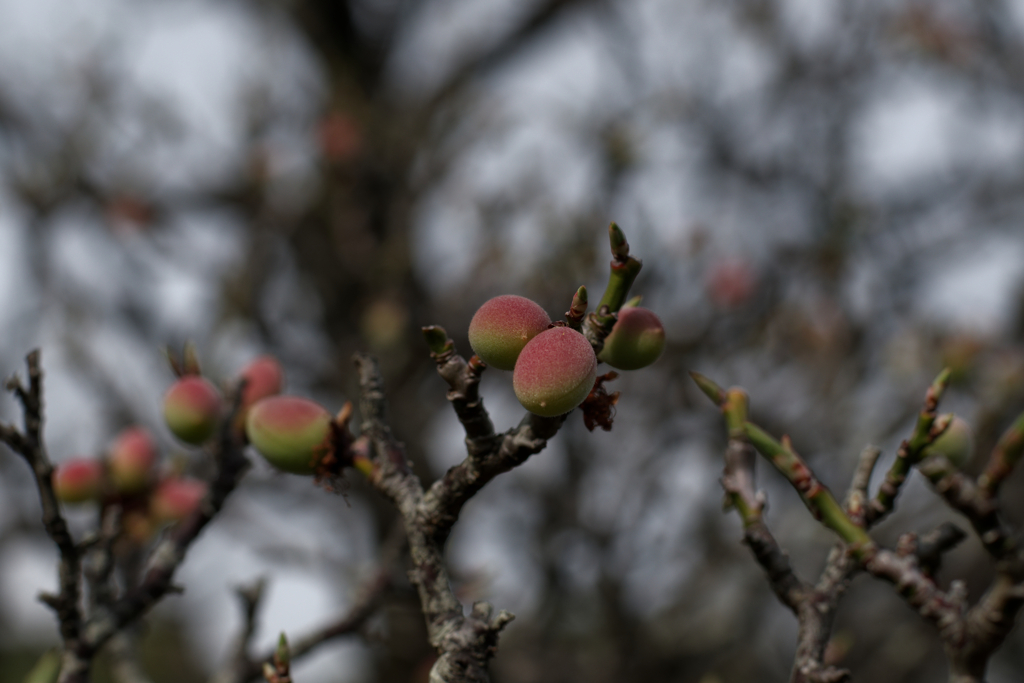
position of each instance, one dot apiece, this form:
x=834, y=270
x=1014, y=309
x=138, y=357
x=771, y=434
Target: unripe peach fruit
x=263, y=377
x=555, y=372
x=78, y=480
x=502, y=327
x=131, y=460
x=176, y=498
x=956, y=443
x=192, y=409
x=636, y=340
x=292, y=433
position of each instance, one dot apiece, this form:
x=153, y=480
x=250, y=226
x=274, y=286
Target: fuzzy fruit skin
x=291, y=433
x=555, y=372
x=263, y=377
x=503, y=326
x=176, y=498
x=956, y=443
x=192, y=409
x=636, y=340
x=132, y=460
x=78, y=480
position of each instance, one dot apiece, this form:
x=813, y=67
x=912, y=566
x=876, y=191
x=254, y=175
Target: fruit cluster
x=128, y=475
x=554, y=366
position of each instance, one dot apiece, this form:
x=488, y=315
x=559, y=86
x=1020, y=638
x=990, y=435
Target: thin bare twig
x=28, y=443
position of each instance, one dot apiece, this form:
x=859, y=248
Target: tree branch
x=465, y=644
x=230, y=465
x=909, y=451
x=29, y=444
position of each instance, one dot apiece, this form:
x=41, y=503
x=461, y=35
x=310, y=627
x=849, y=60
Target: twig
x=230, y=464
x=99, y=558
x=858, y=495
x=124, y=653
x=738, y=482
x=463, y=380
x=488, y=454
x=961, y=494
x=444, y=500
x=29, y=444
x=909, y=451
x=965, y=635
x=465, y=644
x=815, y=495
x=1004, y=458
x=624, y=269
x=932, y=546
x=241, y=666
x=244, y=668
x=814, y=606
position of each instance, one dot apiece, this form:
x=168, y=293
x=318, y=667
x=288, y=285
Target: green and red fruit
x=956, y=443
x=263, y=377
x=731, y=283
x=192, y=409
x=132, y=460
x=293, y=434
x=502, y=327
x=176, y=498
x=555, y=372
x=636, y=340
x=78, y=480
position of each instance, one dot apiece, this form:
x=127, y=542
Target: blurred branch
x=239, y=667
x=738, y=482
x=909, y=451
x=1004, y=458
x=124, y=654
x=543, y=15
x=963, y=495
x=230, y=465
x=244, y=668
x=969, y=638
x=29, y=444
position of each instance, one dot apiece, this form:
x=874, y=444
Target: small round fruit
x=176, y=498
x=131, y=460
x=956, y=443
x=192, y=409
x=292, y=433
x=78, y=480
x=263, y=377
x=555, y=372
x=502, y=327
x=636, y=340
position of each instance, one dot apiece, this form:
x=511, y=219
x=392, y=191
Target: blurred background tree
x=826, y=196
